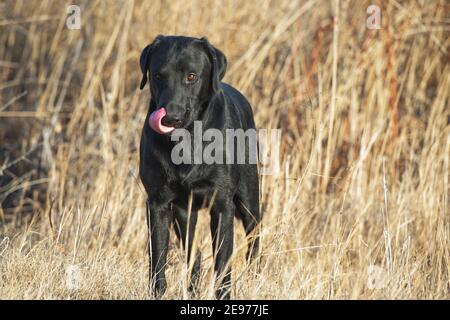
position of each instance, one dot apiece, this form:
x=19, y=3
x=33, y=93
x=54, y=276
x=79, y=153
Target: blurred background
x=365, y=151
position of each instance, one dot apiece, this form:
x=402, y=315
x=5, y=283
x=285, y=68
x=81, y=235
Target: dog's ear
x=218, y=63
x=144, y=60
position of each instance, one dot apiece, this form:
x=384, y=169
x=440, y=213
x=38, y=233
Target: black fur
x=233, y=189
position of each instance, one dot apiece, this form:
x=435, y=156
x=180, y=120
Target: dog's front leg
x=222, y=218
x=159, y=218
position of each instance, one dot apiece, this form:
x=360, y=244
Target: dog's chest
x=192, y=181
x=191, y=177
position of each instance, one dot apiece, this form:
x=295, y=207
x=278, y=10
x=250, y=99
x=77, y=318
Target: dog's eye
x=191, y=77
x=158, y=76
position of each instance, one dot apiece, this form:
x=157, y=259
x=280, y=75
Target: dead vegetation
x=365, y=146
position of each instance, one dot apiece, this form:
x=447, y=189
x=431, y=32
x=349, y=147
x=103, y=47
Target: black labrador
x=184, y=76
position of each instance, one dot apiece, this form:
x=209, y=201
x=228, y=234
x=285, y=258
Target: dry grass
x=365, y=152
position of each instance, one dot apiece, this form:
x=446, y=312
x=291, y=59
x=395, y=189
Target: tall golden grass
x=365, y=151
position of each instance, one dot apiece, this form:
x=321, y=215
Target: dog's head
x=183, y=73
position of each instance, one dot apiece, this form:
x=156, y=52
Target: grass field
x=360, y=210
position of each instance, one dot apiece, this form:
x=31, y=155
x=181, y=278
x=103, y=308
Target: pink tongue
x=155, y=121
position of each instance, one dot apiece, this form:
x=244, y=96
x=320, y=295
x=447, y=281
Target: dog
x=184, y=75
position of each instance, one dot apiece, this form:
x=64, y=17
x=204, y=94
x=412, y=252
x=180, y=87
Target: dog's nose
x=172, y=121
